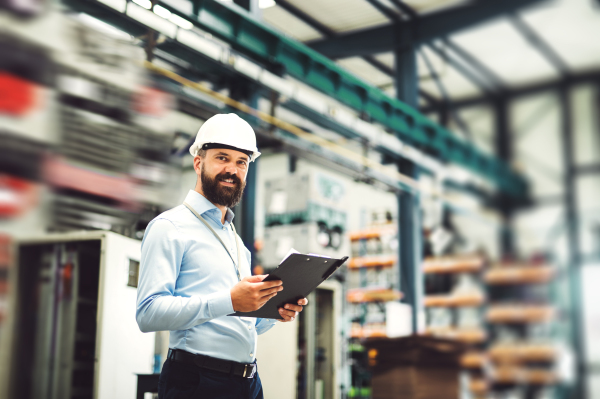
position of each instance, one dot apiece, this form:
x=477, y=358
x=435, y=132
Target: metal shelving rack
x=370, y=264
x=522, y=308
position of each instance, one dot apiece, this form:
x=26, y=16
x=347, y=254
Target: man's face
x=223, y=176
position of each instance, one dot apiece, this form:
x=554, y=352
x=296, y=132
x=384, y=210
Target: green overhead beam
x=271, y=48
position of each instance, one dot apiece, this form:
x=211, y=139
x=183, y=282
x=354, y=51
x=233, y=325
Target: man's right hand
x=252, y=293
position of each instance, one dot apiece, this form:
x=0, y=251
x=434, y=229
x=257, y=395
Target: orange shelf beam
x=372, y=233
x=468, y=336
x=519, y=375
x=473, y=360
x=373, y=295
x=453, y=264
x=520, y=313
x=372, y=261
x=519, y=275
x=367, y=333
x=522, y=353
x=452, y=301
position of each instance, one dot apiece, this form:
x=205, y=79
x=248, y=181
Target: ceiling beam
x=423, y=29
x=484, y=85
x=307, y=19
x=391, y=15
x=430, y=98
x=570, y=80
x=328, y=32
x=475, y=64
x=487, y=73
x=406, y=9
x=543, y=47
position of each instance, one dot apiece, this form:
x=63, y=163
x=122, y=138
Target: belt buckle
x=252, y=372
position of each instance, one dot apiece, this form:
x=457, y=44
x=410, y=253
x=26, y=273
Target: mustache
x=229, y=176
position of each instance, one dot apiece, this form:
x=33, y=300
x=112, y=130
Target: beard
x=218, y=194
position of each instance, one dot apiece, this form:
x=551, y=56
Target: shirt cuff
x=220, y=303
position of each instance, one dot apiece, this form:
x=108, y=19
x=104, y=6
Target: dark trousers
x=184, y=381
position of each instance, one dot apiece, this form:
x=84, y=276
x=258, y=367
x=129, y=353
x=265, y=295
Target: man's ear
x=197, y=163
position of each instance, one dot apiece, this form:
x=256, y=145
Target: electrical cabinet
x=74, y=309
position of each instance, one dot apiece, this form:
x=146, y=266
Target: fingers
x=255, y=279
x=270, y=291
x=269, y=284
x=293, y=308
x=264, y=300
x=288, y=315
x=303, y=302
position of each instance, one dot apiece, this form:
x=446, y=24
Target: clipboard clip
x=334, y=267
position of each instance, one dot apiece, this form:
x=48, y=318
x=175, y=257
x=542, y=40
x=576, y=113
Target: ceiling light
x=266, y=3
x=147, y=4
x=162, y=12
x=181, y=22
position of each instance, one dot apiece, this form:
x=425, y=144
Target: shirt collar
x=202, y=205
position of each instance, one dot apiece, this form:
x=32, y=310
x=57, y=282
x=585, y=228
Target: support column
x=248, y=210
x=503, y=142
x=406, y=75
x=572, y=224
x=410, y=248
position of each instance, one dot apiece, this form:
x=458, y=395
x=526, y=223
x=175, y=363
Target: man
x=195, y=271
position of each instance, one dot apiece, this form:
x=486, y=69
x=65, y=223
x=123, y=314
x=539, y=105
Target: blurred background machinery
x=75, y=300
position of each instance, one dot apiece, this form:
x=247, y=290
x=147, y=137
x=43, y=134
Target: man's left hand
x=290, y=311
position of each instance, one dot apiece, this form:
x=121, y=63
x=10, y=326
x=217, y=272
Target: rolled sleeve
x=264, y=325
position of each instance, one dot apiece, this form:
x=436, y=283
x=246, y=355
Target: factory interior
x=449, y=148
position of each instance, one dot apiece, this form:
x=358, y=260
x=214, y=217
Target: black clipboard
x=300, y=275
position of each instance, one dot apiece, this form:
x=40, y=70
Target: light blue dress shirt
x=185, y=280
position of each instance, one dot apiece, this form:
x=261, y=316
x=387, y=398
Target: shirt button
x=250, y=328
x=252, y=354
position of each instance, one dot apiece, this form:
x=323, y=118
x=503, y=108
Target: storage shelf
x=453, y=264
x=368, y=333
x=373, y=232
x=468, y=300
x=466, y=335
x=361, y=295
x=478, y=386
x=520, y=313
x=520, y=375
x=473, y=360
x=372, y=261
x=519, y=275
x=522, y=353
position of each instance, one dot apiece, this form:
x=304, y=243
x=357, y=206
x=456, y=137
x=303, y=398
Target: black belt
x=211, y=363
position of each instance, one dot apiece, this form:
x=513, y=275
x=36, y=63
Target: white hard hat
x=226, y=131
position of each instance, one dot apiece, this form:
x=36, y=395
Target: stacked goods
x=454, y=296
x=415, y=367
x=373, y=297
x=522, y=354
x=372, y=278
